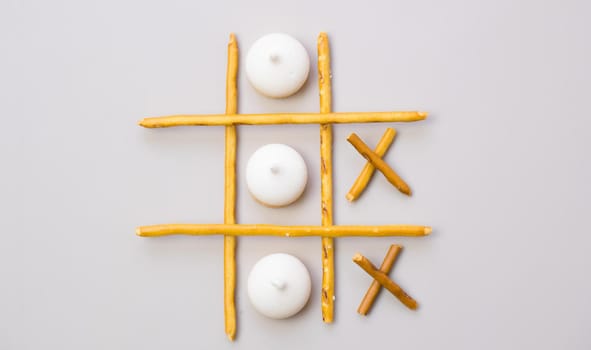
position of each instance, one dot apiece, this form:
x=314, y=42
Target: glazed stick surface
x=230, y=191
x=280, y=118
x=377, y=162
x=368, y=170
x=386, y=282
x=324, y=86
x=375, y=287
x=283, y=231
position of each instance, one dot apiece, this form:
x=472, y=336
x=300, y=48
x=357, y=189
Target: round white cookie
x=276, y=175
x=277, y=65
x=279, y=286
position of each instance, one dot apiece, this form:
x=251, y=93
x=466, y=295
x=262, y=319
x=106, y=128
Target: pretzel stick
x=230, y=191
x=282, y=231
x=386, y=282
x=280, y=118
x=324, y=86
x=377, y=162
x=375, y=287
x=368, y=170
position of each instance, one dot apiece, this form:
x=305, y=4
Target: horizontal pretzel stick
x=377, y=162
x=281, y=118
x=368, y=170
x=386, y=282
x=375, y=287
x=282, y=231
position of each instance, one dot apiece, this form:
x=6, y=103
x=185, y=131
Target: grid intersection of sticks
x=327, y=231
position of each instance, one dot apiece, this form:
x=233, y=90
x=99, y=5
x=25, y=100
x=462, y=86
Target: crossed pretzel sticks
x=381, y=279
x=375, y=161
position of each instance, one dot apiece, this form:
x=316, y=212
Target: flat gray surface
x=501, y=170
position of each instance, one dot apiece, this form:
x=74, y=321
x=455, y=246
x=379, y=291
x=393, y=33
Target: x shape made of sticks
x=376, y=160
x=381, y=277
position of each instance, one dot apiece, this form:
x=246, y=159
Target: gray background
x=500, y=169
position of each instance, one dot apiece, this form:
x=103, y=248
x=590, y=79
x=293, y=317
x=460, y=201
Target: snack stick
x=368, y=170
x=375, y=287
x=230, y=192
x=283, y=231
x=377, y=162
x=386, y=282
x=325, y=89
x=281, y=118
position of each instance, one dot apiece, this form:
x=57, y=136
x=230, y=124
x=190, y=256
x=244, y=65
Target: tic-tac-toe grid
x=327, y=231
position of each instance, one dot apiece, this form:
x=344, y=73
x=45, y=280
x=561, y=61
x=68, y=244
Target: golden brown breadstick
x=324, y=86
x=280, y=118
x=282, y=231
x=386, y=282
x=230, y=191
x=375, y=287
x=368, y=170
x=377, y=162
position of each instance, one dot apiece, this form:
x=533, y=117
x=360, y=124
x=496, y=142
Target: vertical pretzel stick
x=230, y=191
x=386, y=282
x=324, y=86
x=377, y=162
x=368, y=170
x=375, y=287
